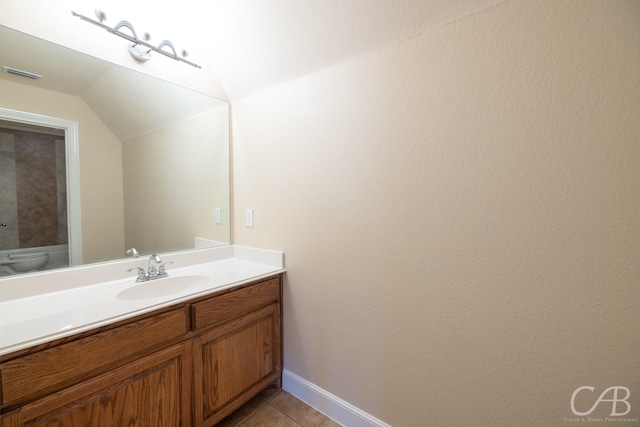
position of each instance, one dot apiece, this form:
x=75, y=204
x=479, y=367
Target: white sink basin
x=161, y=287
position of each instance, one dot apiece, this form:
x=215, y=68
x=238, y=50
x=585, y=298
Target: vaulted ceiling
x=249, y=45
x=254, y=44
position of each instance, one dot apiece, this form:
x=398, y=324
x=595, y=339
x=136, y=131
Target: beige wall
x=459, y=213
x=173, y=178
x=101, y=197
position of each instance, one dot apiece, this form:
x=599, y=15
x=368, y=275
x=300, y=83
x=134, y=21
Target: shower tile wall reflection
x=61, y=184
x=32, y=171
x=8, y=194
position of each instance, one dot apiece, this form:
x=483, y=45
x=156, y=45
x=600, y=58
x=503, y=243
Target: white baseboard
x=330, y=405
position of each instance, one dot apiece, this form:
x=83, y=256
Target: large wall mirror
x=152, y=157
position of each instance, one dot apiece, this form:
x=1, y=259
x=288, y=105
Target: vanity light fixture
x=137, y=49
x=21, y=73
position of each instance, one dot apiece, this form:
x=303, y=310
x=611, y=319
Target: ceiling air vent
x=21, y=73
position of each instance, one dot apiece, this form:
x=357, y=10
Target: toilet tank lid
x=27, y=255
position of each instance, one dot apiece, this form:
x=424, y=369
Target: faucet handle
x=162, y=270
x=142, y=276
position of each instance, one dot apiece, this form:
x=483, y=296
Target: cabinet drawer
x=53, y=369
x=151, y=391
x=217, y=310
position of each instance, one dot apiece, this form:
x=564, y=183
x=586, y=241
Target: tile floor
x=276, y=408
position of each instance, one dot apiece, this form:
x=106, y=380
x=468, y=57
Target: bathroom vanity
x=190, y=359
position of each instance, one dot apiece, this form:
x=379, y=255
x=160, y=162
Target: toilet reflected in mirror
x=23, y=262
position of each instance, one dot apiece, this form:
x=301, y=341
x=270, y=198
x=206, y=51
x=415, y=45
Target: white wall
x=459, y=213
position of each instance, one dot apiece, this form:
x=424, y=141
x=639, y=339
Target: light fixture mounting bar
x=21, y=73
x=134, y=39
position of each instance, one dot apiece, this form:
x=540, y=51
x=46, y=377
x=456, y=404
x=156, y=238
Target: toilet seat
x=27, y=255
x=24, y=262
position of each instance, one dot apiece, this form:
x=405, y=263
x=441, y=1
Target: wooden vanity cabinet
x=191, y=364
x=151, y=391
x=234, y=360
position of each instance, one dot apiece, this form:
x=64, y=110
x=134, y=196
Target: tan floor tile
x=269, y=393
x=298, y=410
x=243, y=412
x=268, y=416
x=328, y=422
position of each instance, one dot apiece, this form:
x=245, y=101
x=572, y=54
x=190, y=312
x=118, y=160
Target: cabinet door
x=152, y=391
x=234, y=362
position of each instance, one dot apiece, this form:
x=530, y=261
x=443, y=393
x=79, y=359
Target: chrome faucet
x=133, y=252
x=154, y=260
x=155, y=270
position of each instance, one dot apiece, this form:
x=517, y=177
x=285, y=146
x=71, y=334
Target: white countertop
x=41, y=307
